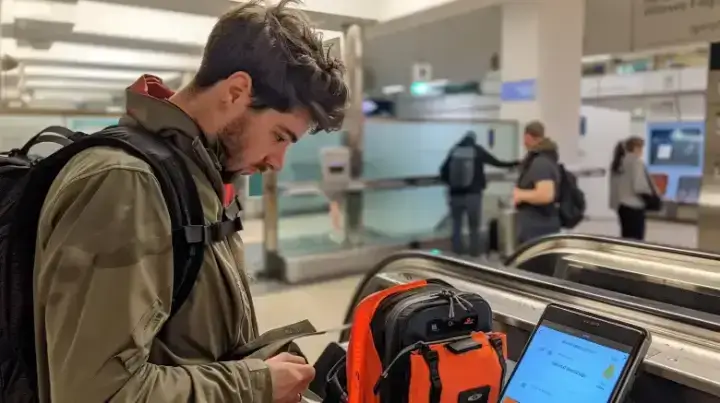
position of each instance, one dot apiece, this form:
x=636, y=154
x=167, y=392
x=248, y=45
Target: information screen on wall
x=676, y=146
x=675, y=152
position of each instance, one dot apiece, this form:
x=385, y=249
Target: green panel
x=255, y=185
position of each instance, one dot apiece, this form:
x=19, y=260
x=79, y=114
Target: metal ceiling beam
x=215, y=8
x=9, y=31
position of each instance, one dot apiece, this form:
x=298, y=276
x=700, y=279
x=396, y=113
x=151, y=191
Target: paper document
x=664, y=151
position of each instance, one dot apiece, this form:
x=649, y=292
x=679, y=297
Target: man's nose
x=276, y=161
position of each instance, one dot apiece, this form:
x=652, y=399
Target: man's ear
x=239, y=88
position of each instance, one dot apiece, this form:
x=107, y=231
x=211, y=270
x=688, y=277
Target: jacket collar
x=148, y=106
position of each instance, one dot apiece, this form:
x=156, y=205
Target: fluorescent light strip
x=70, y=52
x=49, y=95
x=37, y=10
x=90, y=74
x=101, y=18
x=78, y=96
x=157, y=25
x=74, y=84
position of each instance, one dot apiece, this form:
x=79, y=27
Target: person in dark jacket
x=463, y=171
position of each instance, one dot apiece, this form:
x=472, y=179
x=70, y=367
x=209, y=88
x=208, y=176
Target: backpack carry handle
x=49, y=135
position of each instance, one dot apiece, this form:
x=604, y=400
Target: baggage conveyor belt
x=681, y=277
x=683, y=363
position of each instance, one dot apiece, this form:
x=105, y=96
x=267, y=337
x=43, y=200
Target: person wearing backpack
x=122, y=274
x=463, y=171
x=537, y=187
x=632, y=192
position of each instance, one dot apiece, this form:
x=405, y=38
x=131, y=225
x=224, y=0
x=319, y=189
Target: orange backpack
x=422, y=342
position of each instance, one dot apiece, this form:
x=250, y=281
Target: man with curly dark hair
x=104, y=259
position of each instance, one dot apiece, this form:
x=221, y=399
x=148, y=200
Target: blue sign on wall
x=517, y=91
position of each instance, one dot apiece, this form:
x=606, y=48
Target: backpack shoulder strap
x=181, y=198
x=51, y=134
x=525, y=167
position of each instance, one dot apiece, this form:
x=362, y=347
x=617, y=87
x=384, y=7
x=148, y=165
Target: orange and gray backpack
x=421, y=342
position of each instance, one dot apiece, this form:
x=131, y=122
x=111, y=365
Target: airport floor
x=325, y=303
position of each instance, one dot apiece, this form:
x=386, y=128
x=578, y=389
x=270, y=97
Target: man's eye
x=279, y=138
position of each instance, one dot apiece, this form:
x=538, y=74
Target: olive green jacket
x=104, y=276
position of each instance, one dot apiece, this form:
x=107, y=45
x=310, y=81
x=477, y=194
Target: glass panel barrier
x=16, y=130
x=302, y=163
x=395, y=217
x=396, y=149
x=392, y=150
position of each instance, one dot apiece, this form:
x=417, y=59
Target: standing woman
x=630, y=187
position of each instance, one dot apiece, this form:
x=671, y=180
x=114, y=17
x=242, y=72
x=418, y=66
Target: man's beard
x=230, y=139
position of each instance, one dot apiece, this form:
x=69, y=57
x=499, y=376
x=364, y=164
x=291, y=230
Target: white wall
x=682, y=108
x=392, y=9
x=605, y=127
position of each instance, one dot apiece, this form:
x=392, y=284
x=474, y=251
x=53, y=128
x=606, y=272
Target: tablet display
x=565, y=365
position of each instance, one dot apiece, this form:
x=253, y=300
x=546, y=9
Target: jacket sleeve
x=445, y=170
x=640, y=180
x=104, y=274
x=487, y=158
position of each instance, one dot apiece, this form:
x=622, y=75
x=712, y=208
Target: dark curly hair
x=279, y=48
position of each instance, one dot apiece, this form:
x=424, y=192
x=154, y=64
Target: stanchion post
x=353, y=131
x=709, y=203
x=274, y=263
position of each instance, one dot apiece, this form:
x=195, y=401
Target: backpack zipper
x=443, y=295
x=407, y=350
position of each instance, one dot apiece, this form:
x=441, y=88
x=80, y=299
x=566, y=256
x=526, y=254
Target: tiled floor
x=325, y=304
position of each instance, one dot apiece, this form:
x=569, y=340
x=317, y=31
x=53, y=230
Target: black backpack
x=570, y=199
x=461, y=168
x=24, y=183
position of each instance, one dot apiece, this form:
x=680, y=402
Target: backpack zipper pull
x=465, y=304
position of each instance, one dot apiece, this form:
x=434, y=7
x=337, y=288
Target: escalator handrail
x=511, y=261
x=528, y=279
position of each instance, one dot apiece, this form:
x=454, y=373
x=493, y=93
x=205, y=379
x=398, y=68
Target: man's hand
x=290, y=376
x=517, y=196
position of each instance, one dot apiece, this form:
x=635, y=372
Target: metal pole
x=709, y=209
x=353, y=131
x=274, y=264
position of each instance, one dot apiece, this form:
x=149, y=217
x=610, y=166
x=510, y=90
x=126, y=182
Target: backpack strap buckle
x=223, y=229
x=215, y=232
x=233, y=210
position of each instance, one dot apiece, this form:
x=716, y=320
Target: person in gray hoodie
x=629, y=181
